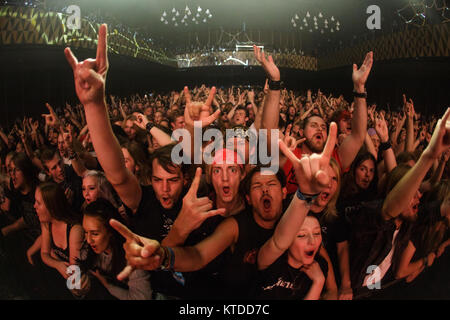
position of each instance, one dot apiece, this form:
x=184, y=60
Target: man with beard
x=380, y=230
x=314, y=128
x=243, y=234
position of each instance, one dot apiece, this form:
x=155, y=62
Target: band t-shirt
x=280, y=281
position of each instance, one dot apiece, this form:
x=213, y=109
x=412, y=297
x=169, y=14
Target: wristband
x=306, y=197
x=362, y=95
x=275, y=85
x=149, y=126
x=385, y=146
x=169, y=259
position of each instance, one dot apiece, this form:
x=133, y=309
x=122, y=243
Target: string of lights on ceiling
x=415, y=12
x=312, y=23
x=186, y=17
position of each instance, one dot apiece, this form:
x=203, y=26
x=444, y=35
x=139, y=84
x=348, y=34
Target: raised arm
x=399, y=197
x=271, y=110
x=90, y=77
x=311, y=175
x=388, y=153
x=353, y=142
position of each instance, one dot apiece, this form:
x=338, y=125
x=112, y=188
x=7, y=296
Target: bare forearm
x=399, y=197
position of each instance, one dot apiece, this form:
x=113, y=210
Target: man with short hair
x=65, y=176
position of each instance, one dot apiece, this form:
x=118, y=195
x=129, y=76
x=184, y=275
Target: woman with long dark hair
x=104, y=258
x=360, y=182
x=62, y=234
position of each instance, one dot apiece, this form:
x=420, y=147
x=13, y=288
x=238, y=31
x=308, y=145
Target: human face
x=239, y=117
x=168, y=186
x=225, y=179
x=179, y=123
x=148, y=111
x=410, y=214
x=327, y=194
x=345, y=126
x=96, y=234
x=315, y=133
x=266, y=198
x=130, y=130
x=130, y=164
x=364, y=174
x=19, y=147
x=376, y=141
x=158, y=117
x=16, y=176
x=307, y=243
x=61, y=148
x=55, y=169
x=41, y=209
x=90, y=189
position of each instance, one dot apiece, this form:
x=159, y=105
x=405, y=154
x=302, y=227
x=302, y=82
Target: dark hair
x=405, y=156
x=306, y=120
x=163, y=156
x=241, y=107
x=29, y=171
x=349, y=186
x=395, y=176
x=104, y=211
x=140, y=156
x=246, y=183
x=48, y=153
x=56, y=203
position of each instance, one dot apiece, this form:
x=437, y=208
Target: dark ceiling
x=234, y=16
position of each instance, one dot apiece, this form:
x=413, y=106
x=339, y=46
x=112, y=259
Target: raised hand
x=290, y=141
x=141, y=121
x=90, y=74
x=311, y=171
x=195, y=210
x=269, y=66
x=199, y=111
x=140, y=252
x=51, y=119
x=360, y=75
x=440, y=140
x=381, y=128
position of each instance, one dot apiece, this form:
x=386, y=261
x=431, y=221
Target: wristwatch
x=275, y=85
x=306, y=197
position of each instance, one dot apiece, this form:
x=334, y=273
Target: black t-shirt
x=334, y=231
x=424, y=235
x=153, y=221
x=22, y=205
x=280, y=281
x=370, y=238
x=240, y=273
x=73, y=182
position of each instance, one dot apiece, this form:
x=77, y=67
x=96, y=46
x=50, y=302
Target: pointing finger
x=122, y=229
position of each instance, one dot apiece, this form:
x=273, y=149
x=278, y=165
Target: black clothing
x=240, y=273
x=62, y=254
x=75, y=183
x=282, y=282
